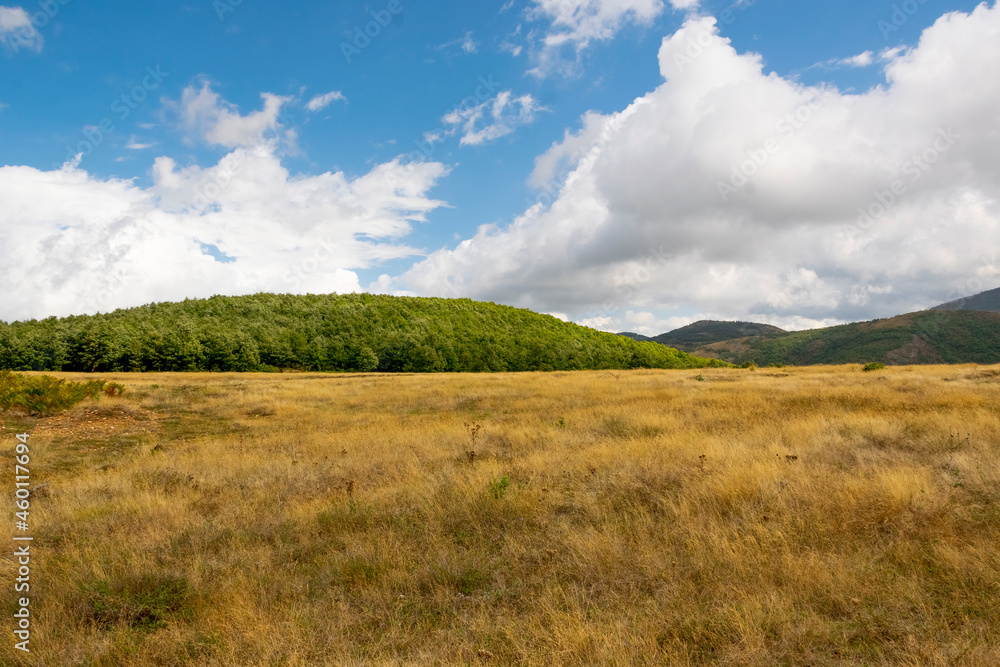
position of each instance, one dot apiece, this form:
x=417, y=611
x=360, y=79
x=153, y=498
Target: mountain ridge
x=988, y=301
x=706, y=332
x=966, y=330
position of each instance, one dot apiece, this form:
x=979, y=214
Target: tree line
x=351, y=332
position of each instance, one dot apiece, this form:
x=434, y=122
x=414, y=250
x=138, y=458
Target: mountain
x=352, y=332
x=928, y=337
x=707, y=332
x=985, y=301
x=635, y=336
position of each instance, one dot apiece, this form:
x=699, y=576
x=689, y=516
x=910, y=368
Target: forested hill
x=355, y=332
x=929, y=337
x=984, y=301
x=707, y=332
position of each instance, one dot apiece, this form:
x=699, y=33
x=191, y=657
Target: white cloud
x=577, y=23
x=490, y=120
x=219, y=123
x=76, y=243
x=17, y=31
x=512, y=42
x=323, y=101
x=861, y=60
x=466, y=43
x=889, y=54
x=646, y=217
x=511, y=48
x=134, y=145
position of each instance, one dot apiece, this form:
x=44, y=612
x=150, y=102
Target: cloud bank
x=732, y=192
x=71, y=243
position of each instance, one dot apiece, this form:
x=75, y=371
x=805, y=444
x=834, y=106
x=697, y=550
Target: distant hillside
x=929, y=337
x=635, y=336
x=354, y=332
x=707, y=332
x=985, y=301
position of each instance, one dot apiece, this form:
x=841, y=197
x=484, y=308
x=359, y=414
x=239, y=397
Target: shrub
x=498, y=487
x=874, y=366
x=143, y=602
x=45, y=395
x=113, y=389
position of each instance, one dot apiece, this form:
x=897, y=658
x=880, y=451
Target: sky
x=630, y=165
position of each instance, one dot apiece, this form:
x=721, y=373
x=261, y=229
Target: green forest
x=352, y=333
x=929, y=337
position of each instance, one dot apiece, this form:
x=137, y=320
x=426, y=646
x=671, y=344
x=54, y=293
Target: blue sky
x=376, y=168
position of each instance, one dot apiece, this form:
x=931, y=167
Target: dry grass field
x=801, y=516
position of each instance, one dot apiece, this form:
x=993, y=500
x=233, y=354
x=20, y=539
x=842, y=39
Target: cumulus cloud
x=213, y=120
x=323, y=101
x=577, y=23
x=731, y=192
x=490, y=120
x=17, y=31
x=76, y=243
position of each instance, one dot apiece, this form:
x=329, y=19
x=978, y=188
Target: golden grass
x=805, y=516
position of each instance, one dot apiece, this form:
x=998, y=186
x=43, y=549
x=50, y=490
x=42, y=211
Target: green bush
x=45, y=395
x=498, y=487
x=874, y=366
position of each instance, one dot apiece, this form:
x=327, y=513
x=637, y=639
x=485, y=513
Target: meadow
x=779, y=516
